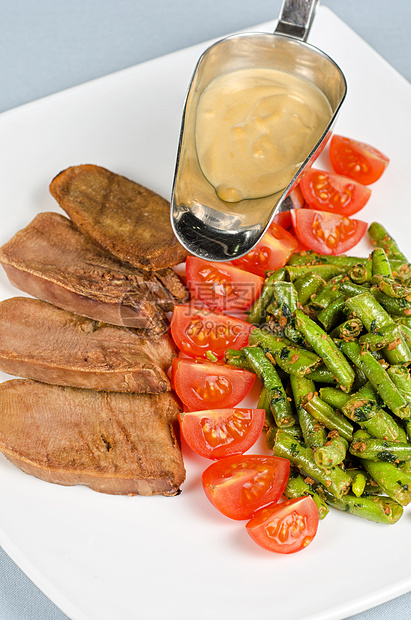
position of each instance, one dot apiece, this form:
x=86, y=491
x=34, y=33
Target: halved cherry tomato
x=287, y=527
x=327, y=233
x=238, y=485
x=217, y=433
x=283, y=218
x=357, y=160
x=203, y=385
x=199, y=330
x=222, y=286
x=270, y=254
x=334, y=193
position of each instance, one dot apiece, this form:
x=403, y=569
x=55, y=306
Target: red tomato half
x=270, y=254
x=334, y=193
x=238, y=485
x=217, y=433
x=203, y=385
x=287, y=527
x=198, y=330
x=327, y=233
x=283, y=218
x=222, y=286
x=359, y=161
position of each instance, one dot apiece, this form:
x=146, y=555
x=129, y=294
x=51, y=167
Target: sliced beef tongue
x=40, y=341
x=53, y=261
x=125, y=218
x=171, y=281
x=111, y=442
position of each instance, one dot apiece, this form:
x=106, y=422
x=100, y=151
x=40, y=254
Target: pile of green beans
x=331, y=345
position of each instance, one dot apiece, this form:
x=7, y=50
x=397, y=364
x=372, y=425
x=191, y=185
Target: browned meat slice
x=51, y=260
x=174, y=285
x=125, y=218
x=160, y=349
x=124, y=444
x=42, y=342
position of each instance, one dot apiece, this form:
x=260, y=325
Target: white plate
x=101, y=557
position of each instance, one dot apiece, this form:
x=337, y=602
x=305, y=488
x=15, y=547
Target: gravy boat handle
x=296, y=17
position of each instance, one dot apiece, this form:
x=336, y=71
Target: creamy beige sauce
x=254, y=129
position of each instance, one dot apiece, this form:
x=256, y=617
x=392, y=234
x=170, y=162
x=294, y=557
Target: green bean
x=377, y=509
x=401, y=270
x=328, y=293
x=394, y=306
x=361, y=272
x=375, y=318
x=257, y=311
x=381, y=450
x=298, y=486
x=324, y=271
x=289, y=356
x=329, y=316
x=378, y=377
x=332, y=453
x=392, y=480
x=328, y=416
x=336, y=480
x=279, y=404
x=285, y=300
x=349, y=329
x=370, y=312
x=313, y=432
x=382, y=239
x=362, y=405
x=334, y=397
x=293, y=431
x=380, y=264
x=342, y=260
x=325, y=347
x=321, y=375
x=236, y=358
x=285, y=294
x=383, y=426
x=397, y=350
x=349, y=289
x=379, y=339
x=401, y=378
x=391, y=288
x=309, y=257
x=307, y=286
x=291, y=333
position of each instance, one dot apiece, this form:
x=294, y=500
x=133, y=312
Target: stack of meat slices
x=94, y=406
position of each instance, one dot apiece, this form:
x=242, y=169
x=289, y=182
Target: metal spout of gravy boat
x=205, y=225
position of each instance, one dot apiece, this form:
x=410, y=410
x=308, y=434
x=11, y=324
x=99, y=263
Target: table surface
x=50, y=45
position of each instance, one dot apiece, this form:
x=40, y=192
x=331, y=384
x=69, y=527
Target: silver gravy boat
x=205, y=225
